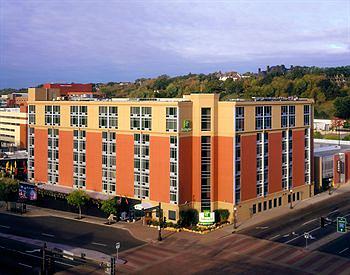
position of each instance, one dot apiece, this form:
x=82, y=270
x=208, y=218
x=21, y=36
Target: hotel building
x=195, y=151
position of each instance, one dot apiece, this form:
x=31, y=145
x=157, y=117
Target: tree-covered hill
x=324, y=85
x=329, y=87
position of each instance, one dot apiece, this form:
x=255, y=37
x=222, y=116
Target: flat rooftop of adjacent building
x=324, y=148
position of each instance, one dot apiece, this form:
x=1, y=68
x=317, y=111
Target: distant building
x=193, y=151
x=322, y=124
x=16, y=100
x=13, y=127
x=70, y=89
x=230, y=75
x=331, y=163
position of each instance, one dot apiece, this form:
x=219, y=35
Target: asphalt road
x=290, y=228
x=69, y=232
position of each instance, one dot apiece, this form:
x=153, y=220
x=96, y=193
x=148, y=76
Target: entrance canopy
x=143, y=206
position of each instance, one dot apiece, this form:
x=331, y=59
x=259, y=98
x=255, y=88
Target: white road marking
x=62, y=263
x=274, y=237
x=48, y=235
x=29, y=266
x=303, y=234
x=261, y=227
x=4, y=226
x=309, y=221
x=287, y=235
x=343, y=250
x=336, y=210
x=100, y=244
x=34, y=250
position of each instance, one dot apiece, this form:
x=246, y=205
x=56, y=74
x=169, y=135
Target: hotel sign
x=186, y=125
x=206, y=218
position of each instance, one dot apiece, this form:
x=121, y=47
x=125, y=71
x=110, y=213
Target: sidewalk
x=137, y=229
x=278, y=212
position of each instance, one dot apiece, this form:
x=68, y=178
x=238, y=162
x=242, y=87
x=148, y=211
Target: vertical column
x=275, y=162
x=298, y=158
x=160, y=169
x=65, y=167
x=125, y=165
x=94, y=161
x=248, y=167
x=40, y=155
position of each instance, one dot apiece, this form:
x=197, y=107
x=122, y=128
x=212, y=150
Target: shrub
x=188, y=217
x=318, y=135
x=221, y=215
x=347, y=138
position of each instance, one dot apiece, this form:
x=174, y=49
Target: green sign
x=186, y=125
x=206, y=218
x=341, y=225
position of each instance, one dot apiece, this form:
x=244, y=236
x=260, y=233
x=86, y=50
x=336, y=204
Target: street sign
x=117, y=245
x=341, y=225
x=306, y=235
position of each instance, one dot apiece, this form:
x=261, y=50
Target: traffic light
x=341, y=225
x=322, y=222
x=112, y=270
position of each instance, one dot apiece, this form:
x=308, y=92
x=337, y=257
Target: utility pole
x=160, y=222
x=291, y=198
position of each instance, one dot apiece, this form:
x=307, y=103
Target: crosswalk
x=228, y=249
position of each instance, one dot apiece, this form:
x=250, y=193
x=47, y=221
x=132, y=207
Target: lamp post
x=330, y=186
x=291, y=198
x=160, y=223
x=235, y=218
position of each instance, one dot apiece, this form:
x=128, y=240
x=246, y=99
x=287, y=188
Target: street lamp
x=291, y=198
x=235, y=218
x=160, y=222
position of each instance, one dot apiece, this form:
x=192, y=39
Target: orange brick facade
x=150, y=177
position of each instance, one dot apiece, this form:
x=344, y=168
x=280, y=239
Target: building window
x=31, y=154
x=239, y=119
x=263, y=115
x=171, y=119
x=306, y=115
x=53, y=155
x=287, y=116
x=78, y=116
x=307, y=156
x=141, y=166
x=262, y=164
x=206, y=119
x=173, y=170
x=109, y=162
x=237, y=169
x=31, y=114
x=52, y=115
x=79, y=159
x=108, y=117
x=205, y=172
x=172, y=215
x=141, y=118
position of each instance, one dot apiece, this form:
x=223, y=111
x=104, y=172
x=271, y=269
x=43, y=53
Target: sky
x=99, y=41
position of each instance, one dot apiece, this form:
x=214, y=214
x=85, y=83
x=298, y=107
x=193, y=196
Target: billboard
x=27, y=192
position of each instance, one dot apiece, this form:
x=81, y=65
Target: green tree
x=78, y=198
x=8, y=190
x=342, y=107
x=109, y=207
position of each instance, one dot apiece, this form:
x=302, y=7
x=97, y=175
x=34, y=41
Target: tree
x=109, y=207
x=78, y=198
x=8, y=190
x=342, y=107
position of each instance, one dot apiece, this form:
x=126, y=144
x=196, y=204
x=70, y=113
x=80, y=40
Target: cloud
x=89, y=40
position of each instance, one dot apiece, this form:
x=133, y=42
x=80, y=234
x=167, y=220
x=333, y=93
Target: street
x=290, y=229
x=21, y=254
